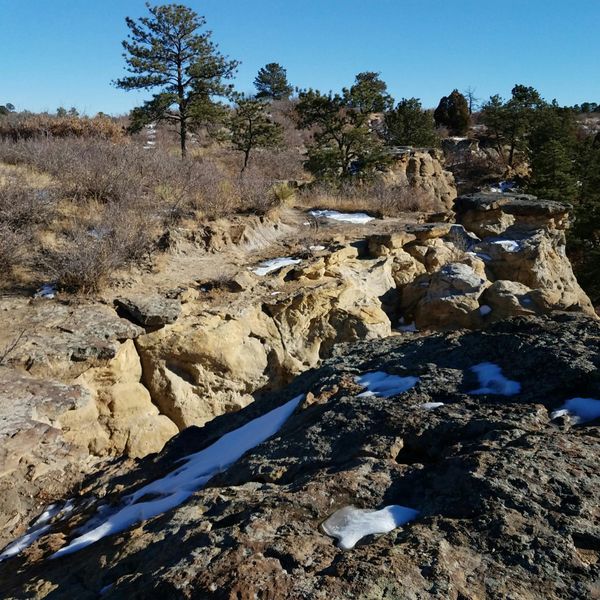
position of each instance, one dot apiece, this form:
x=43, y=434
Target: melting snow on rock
x=379, y=383
x=350, y=524
x=172, y=490
x=268, y=266
x=357, y=218
x=492, y=381
x=508, y=245
x=582, y=409
x=48, y=291
x=40, y=526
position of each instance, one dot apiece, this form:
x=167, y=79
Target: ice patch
x=492, y=381
x=40, y=526
x=408, y=328
x=484, y=310
x=268, y=266
x=48, y=291
x=175, y=488
x=357, y=218
x=507, y=245
x=384, y=385
x=583, y=409
x=23, y=542
x=431, y=405
x=350, y=524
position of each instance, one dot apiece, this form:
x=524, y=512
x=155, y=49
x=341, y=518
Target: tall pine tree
x=166, y=52
x=271, y=83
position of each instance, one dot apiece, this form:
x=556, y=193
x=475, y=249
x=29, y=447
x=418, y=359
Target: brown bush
x=377, y=198
x=24, y=126
x=13, y=251
x=91, y=251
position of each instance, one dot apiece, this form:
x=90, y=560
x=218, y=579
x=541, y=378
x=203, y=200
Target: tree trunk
x=183, y=136
x=246, y=159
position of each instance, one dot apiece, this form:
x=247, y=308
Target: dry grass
x=377, y=199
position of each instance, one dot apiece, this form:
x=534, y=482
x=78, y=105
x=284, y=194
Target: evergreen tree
x=453, y=112
x=409, y=125
x=369, y=94
x=344, y=146
x=6, y=108
x=584, y=235
x=511, y=122
x=166, y=52
x=551, y=151
x=271, y=82
x=251, y=127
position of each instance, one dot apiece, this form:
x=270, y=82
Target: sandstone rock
x=423, y=173
x=37, y=454
x=508, y=299
x=150, y=311
x=452, y=298
x=132, y=423
x=507, y=498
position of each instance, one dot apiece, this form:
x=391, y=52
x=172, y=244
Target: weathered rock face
x=210, y=363
x=38, y=456
x=423, y=172
x=506, y=257
x=507, y=497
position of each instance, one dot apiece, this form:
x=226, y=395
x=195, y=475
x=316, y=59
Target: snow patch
x=350, y=524
x=431, y=405
x=379, y=383
x=582, y=409
x=48, y=291
x=357, y=218
x=175, y=488
x=492, y=381
x=316, y=248
x=507, y=245
x=268, y=266
x=484, y=310
x=39, y=527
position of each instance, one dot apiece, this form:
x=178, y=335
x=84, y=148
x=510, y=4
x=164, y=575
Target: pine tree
x=511, y=122
x=343, y=146
x=409, y=125
x=251, y=127
x=271, y=82
x=453, y=112
x=369, y=94
x=551, y=150
x=167, y=53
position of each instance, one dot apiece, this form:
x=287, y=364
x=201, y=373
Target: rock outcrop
x=422, y=172
x=209, y=350
x=506, y=493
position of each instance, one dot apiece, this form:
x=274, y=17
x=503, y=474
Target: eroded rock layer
x=506, y=493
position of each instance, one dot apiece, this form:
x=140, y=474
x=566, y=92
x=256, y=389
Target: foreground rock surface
x=507, y=496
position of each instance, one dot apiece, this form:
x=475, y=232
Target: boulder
x=150, y=311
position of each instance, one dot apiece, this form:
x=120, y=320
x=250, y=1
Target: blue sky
x=66, y=52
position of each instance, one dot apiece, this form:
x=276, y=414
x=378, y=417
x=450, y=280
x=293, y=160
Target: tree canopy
x=167, y=53
x=251, y=127
x=453, y=112
x=368, y=94
x=344, y=145
x=409, y=125
x=272, y=83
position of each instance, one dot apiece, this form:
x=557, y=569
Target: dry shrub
x=377, y=198
x=24, y=126
x=23, y=210
x=13, y=251
x=90, y=252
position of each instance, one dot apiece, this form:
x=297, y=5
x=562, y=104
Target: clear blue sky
x=66, y=52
